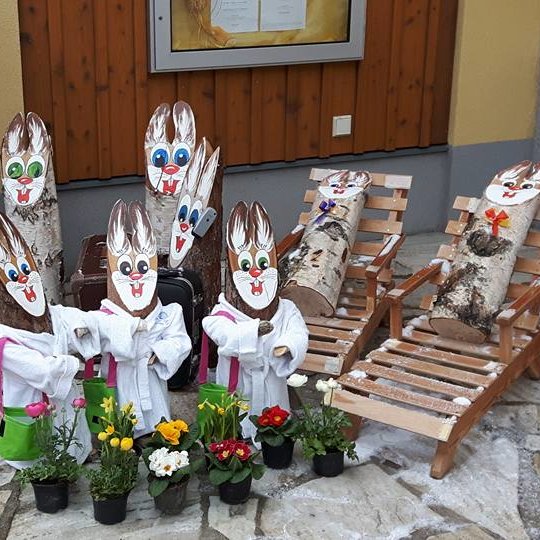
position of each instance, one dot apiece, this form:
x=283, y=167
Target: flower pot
x=235, y=493
x=171, y=501
x=278, y=457
x=111, y=511
x=50, y=496
x=330, y=464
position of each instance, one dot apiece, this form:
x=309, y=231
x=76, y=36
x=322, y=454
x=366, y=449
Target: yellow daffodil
x=134, y=421
x=102, y=436
x=109, y=429
x=126, y=444
x=108, y=405
x=114, y=442
x=201, y=406
x=127, y=409
x=213, y=407
x=244, y=406
x=221, y=411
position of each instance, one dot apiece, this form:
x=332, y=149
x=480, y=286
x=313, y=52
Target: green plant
x=232, y=461
x=274, y=426
x=167, y=455
x=117, y=473
x=320, y=430
x=56, y=464
x=223, y=419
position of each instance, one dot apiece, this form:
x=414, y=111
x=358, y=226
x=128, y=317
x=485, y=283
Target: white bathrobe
x=262, y=378
x=34, y=364
x=143, y=384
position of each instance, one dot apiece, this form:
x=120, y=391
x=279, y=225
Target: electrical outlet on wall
x=341, y=125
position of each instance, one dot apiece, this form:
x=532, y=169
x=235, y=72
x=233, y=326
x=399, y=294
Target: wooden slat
x=379, y=226
x=395, y=393
x=367, y=248
x=418, y=381
x=359, y=272
x=327, y=347
x=375, y=202
x=417, y=422
x=332, y=333
x=358, y=302
x=308, y=109
x=334, y=323
x=291, y=113
x=429, y=368
x=320, y=363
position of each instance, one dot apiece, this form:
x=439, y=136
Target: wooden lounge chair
x=440, y=387
x=335, y=342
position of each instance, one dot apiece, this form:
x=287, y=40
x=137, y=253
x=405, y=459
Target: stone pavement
x=490, y=493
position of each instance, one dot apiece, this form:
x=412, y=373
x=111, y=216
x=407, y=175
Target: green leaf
x=257, y=470
x=274, y=440
x=218, y=476
x=157, y=486
x=242, y=474
x=196, y=464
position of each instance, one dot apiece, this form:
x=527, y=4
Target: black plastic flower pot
x=111, y=511
x=278, y=457
x=235, y=493
x=329, y=464
x=171, y=501
x=51, y=496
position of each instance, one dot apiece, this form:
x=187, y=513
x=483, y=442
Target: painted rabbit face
x=26, y=150
x=18, y=270
x=344, y=184
x=132, y=258
x=252, y=254
x=515, y=185
x=166, y=163
x=192, y=202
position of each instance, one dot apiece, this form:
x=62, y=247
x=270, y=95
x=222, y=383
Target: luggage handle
x=203, y=368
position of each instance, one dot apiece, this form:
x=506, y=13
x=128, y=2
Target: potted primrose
x=116, y=476
x=53, y=472
x=168, y=457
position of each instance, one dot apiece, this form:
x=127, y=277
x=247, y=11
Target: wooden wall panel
x=85, y=72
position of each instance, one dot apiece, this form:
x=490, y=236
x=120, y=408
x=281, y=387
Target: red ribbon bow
x=496, y=220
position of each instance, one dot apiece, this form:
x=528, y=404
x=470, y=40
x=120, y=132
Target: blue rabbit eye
x=182, y=213
x=160, y=157
x=13, y=275
x=25, y=269
x=194, y=217
x=181, y=156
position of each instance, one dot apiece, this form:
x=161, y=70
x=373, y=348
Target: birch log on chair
x=315, y=272
x=475, y=287
x=30, y=197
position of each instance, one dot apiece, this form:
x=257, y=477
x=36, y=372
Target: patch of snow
x=480, y=388
x=423, y=317
x=298, y=228
x=493, y=375
x=445, y=264
x=341, y=311
x=369, y=360
x=358, y=374
x=294, y=254
x=364, y=319
x=361, y=260
x=391, y=342
x=462, y=401
x=408, y=330
x=383, y=349
x=492, y=366
x=451, y=419
x=390, y=243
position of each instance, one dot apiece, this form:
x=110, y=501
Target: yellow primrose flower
x=102, y=436
x=126, y=444
x=127, y=408
x=180, y=425
x=109, y=429
x=168, y=432
x=221, y=411
x=108, y=404
x=114, y=442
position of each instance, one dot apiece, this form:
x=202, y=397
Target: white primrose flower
x=296, y=380
x=333, y=384
x=322, y=386
x=166, y=467
x=181, y=458
x=158, y=455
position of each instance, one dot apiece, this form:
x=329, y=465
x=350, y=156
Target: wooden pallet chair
x=439, y=387
x=335, y=342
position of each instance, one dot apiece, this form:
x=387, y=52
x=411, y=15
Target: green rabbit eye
x=34, y=169
x=15, y=170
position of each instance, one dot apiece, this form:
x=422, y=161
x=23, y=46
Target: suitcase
x=89, y=287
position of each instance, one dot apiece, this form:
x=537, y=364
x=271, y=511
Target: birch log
x=316, y=270
x=30, y=197
x=469, y=299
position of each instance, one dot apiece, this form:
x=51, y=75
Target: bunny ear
x=195, y=166
x=364, y=177
x=515, y=171
x=237, y=228
x=144, y=240
x=184, y=124
x=15, y=242
x=117, y=239
x=39, y=138
x=16, y=137
x=338, y=176
x=261, y=229
x=207, y=178
x=157, y=127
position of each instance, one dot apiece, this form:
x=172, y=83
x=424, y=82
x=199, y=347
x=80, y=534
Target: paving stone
x=363, y=502
x=6, y=473
x=532, y=442
x=236, y=522
x=466, y=533
x=523, y=418
x=4, y=496
x=523, y=390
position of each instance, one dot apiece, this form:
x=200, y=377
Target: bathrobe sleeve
x=294, y=336
x=173, y=345
x=52, y=375
x=240, y=339
x=117, y=335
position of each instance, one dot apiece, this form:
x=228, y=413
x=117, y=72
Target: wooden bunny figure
x=35, y=340
x=30, y=196
x=147, y=357
x=267, y=334
x=192, y=202
x=166, y=166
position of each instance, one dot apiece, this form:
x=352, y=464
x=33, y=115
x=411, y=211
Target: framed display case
x=213, y=34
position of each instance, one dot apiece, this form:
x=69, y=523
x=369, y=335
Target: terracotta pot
x=111, y=511
x=51, y=496
x=278, y=457
x=235, y=493
x=330, y=464
x=171, y=501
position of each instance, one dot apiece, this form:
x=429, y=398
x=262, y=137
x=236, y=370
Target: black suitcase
x=89, y=287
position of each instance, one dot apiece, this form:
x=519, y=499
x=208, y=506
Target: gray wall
x=439, y=174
